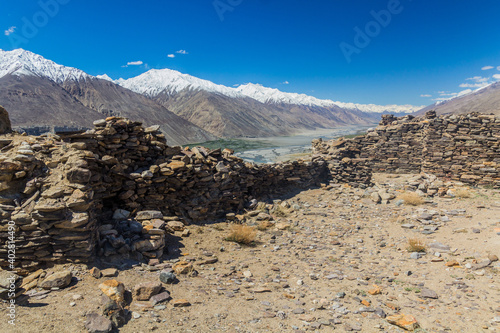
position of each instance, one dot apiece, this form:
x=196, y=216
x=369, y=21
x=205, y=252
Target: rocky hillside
x=485, y=100
x=249, y=110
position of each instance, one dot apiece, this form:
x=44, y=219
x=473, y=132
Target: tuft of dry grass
x=411, y=198
x=416, y=245
x=463, y=193
x=264, y=225
x=241, y=234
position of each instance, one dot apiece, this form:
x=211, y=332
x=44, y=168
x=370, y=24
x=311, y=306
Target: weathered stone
x=159, y=298
x=79, y=175
x=144, y=291
x=121, y=214
x=98, y=324
x=114, y=290
x=182, y=267
x=167, y=276
x=149, y=215
x=109, y=272
x=56, y=280
x=406, y=322
x=95, y=272
x=175, y=225
x=427, y=293
x=177, y=303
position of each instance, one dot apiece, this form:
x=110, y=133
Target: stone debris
x=56, y=280
x=96, y=323
x=114, y=290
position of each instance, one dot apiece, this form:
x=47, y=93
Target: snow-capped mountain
x=270, y=95
x=41, y=95
x=168, y=81
x=22, y=62
x=156, y=81
x=248, y=110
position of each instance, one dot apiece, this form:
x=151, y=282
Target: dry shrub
x=264, y=225
x=411, y=198
x=416, y=245
x=463, y=193
x=241, y=234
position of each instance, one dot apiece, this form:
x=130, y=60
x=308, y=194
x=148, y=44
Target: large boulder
x=5, y=126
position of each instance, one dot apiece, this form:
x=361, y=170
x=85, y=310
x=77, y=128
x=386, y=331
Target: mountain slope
x=39, y=92
x=484, y=100
x=246, y=111
x=171, y=82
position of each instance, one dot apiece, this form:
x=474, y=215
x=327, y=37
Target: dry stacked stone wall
x=119, y=188
x=457, y=147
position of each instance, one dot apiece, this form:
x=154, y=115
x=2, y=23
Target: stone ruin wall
x=458, y=147
x=118, y=189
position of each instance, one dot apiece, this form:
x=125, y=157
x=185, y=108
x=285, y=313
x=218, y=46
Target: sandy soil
x=334, y=241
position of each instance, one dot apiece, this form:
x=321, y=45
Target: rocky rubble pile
x=458, y=147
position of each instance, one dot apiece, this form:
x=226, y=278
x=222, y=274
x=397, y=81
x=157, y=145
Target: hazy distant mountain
x=251, y=109
x=484, y=100
x=39, y=92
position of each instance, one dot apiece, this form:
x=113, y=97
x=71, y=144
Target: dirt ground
x=335, y=260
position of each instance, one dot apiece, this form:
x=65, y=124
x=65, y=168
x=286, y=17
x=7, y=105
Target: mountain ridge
x=156, y=81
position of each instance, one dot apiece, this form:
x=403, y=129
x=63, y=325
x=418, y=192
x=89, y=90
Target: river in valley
x=281, y=148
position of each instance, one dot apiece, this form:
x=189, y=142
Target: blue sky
x=417, y=52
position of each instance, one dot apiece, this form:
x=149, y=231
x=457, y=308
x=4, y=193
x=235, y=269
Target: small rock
x=182, y=267
x=56, y=280
x=144, y=291
x=121, y=214
x=427, y=293
x=176, y=225
x=98, y=324
x=415, y=255
x=109, y=272
x=180, y=303
x=159, y=298
x=95, y=272
x=114, y=290
x=167, y=276
x=406, y=322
